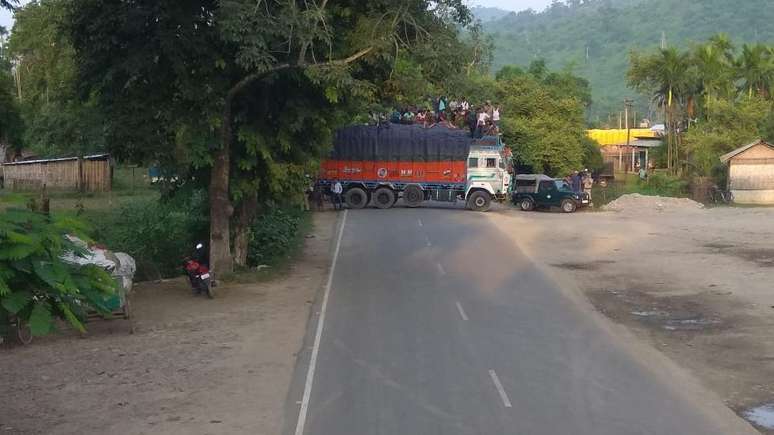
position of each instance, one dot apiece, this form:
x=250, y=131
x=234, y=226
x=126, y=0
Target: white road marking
x=462, y=312
x=441, y=269
x=500, y=389
x=420, y=223
x=318, y=336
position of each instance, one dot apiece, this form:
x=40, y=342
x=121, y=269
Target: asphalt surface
x=437, y=324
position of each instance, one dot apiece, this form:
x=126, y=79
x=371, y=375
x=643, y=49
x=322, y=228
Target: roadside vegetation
x=714, y=96
x=594, y=38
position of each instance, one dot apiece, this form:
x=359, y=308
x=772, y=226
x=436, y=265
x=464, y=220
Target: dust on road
x=193, y=366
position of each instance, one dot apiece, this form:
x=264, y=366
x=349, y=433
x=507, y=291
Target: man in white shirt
x=337, y=191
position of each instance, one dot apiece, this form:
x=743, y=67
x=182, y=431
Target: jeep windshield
x=562, y=185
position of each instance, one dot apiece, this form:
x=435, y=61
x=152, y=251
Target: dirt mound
x=635, y=202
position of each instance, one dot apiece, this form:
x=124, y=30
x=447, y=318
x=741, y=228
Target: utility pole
x=663, y=40
x=627, y=105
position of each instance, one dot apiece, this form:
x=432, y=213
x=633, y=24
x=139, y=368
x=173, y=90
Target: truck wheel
x=356, y=198
x=413, y=196
x=526, y=204
x=480, y=201
x=569, y=206
x=384, y=198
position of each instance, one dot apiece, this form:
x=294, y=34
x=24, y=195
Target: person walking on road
x=337, y=191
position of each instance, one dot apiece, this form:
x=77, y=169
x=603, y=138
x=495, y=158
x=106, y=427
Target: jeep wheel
x=569, y=206
x=526, y=204
x=480, y=201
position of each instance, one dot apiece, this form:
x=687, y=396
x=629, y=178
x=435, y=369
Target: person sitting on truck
x=483, y=117
x=472, y=121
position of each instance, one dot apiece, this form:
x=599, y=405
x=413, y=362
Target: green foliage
x=658, y=184
x=729, y=125
x=273, y=235
x=542, y=120
x=592, y=154
x=157, y=234
x=57, y=122
x=597, y=35
x=36, y=285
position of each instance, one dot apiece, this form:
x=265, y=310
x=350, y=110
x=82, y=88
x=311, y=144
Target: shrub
x=273, y=235
x=158, y=234
x=665, y=185
x=35, y=284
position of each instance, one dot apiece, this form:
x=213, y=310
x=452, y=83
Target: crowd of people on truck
x=482, y=120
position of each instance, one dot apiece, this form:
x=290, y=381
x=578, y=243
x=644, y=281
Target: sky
x=511, y=5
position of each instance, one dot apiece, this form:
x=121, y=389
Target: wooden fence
x=85, y=174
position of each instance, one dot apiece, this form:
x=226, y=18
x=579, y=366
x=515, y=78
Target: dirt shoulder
x=193, y=366
x=695, y=284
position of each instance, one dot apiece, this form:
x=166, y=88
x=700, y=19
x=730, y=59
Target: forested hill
x=607, y=30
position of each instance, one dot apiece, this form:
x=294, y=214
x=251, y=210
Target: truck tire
x=569, y=206
x=384, y=198
x=413, y=196
x=527, y=204
x=480, y=201
x=356, y=198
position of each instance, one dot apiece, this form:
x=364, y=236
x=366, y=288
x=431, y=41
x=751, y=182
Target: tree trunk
x=245, y=213
x=221, y=209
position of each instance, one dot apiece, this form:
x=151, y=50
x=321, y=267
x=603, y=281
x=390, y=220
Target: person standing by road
x=576, y=182
x=588, y=183
x=337, y=191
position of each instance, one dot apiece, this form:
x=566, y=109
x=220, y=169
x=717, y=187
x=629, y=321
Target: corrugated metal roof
x=618, y=136
x=726, y=157
x=63, y=159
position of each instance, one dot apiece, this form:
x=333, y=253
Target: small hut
x=751, y=173
x=85, y=174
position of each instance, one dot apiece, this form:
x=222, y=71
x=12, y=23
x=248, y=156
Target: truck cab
x=487, y=175
x=540, y=191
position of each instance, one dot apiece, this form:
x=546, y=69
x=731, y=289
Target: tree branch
x=251, y=78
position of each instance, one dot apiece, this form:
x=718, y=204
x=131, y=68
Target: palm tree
x=755, y=68
x=666, y=75
x=713, y=70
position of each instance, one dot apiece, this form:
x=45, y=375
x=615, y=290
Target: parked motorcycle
x=198, y=271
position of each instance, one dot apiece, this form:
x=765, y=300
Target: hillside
x=486, y=14
x=595, y=37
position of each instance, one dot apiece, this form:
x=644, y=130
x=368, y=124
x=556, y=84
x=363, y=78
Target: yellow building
x=619, y=156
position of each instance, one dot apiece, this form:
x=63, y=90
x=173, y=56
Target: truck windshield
x=561, y=185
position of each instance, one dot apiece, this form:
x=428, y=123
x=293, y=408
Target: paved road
x=435, y=324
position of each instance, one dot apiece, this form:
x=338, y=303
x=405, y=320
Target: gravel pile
x=637, y=203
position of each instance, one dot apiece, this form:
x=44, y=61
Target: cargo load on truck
x=384, y=163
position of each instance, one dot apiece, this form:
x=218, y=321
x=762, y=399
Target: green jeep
x=531, y=192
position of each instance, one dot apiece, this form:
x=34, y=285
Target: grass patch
x=657, y=184
x=286, y=229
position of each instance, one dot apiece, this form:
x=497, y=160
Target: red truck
x=382, y=164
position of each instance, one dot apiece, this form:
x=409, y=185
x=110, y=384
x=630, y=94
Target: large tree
x=57, y=123
x=666, y=76
x=239, y=86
